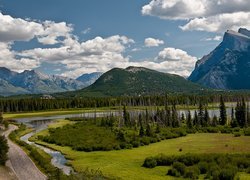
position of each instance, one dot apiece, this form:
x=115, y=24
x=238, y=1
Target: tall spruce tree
x=223, y=112
x=189, y=120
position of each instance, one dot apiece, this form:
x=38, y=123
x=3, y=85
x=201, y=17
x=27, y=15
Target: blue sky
x=74, y=37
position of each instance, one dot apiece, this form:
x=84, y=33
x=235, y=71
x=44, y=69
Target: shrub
x=192, y=172
x=180, y=167
x=227, y=174
x=173, y=172
x=150, y=162
x=203, y=167
x=247, y=132
x=163, y=160
x=237, y=134
x=189, y=159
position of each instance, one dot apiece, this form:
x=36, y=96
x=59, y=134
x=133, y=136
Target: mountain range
x=35, y=82
x=228, y=66
x=137, y=81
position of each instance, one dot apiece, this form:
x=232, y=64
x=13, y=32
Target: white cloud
x=216, y=38
x=17, y=29
x=8, y=59
x=151, y=42
x=219, y=23
x=86, y=31
x=202, y=15
x=97, y=54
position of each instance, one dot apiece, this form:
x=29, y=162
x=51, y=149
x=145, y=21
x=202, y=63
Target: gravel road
x=19, y=161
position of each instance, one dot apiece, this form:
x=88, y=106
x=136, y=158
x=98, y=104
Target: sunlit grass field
x=126, y=164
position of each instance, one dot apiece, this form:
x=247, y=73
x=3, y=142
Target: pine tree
x=214, y=121
x=196, y=119
x=141, y=131
x=158, y=129
x=3, y=150
x=201, y=115
x=189, y=120
x=149, y=130
x=241, y=114
x=234, y=122
x=223, y=112
x=126, y=117
x=206, y=118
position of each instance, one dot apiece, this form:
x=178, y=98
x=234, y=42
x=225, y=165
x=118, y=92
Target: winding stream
x=58, y=159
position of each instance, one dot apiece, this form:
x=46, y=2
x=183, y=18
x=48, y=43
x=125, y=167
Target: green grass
x=57, y=123
x=126, y=164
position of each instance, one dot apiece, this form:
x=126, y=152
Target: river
x=58, y=159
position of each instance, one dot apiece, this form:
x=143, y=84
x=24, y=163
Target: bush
x=192, y=172
x=237, y=134
x=203, y=167
x=173, y=172
x=150, y=162
x=180, y=167
x=163, y=160
x=189, y=159
x=247, y=132
x=227, y=174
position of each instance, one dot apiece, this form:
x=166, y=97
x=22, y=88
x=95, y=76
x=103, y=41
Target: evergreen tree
x=206, y=118
x=149, y=130
x=214, y=121
x=223, y=112
x=196, y=119
x=1, y=118
x=234, y=122
x=126, y=117
x=158, y=129
x=3, y=150
x=201, y=115
x=175, y=119
x=240, y=113
x=189, y=120
x=141, y=131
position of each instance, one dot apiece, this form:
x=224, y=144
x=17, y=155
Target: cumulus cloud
x=8, y=59
x=97, y=54
x=17, y=29
x=202, y=15
x=216, y=38
x=151, y=42
x=219, y=23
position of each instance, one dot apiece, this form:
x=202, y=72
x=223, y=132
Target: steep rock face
x=228, y=66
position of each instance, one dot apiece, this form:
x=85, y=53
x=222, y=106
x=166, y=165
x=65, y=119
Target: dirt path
x=20, y=163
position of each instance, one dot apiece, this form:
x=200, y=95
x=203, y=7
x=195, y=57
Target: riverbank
x=92, y=110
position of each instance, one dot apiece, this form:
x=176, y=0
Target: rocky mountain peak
x=228, y=66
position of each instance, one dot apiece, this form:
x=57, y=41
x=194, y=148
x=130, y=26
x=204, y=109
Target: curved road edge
x=20, y=162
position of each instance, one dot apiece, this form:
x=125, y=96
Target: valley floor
x=127, y=164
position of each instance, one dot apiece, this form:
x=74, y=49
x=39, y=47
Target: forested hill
x=138, y=81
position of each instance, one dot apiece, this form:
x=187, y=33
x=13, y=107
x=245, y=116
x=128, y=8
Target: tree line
x=38, y=104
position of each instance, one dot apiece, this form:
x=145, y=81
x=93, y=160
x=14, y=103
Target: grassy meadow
x=127, y=164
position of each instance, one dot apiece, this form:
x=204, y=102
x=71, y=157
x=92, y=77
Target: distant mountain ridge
x=35, y=82
x=228, y=66
x=89, y=79
x=137, y=81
